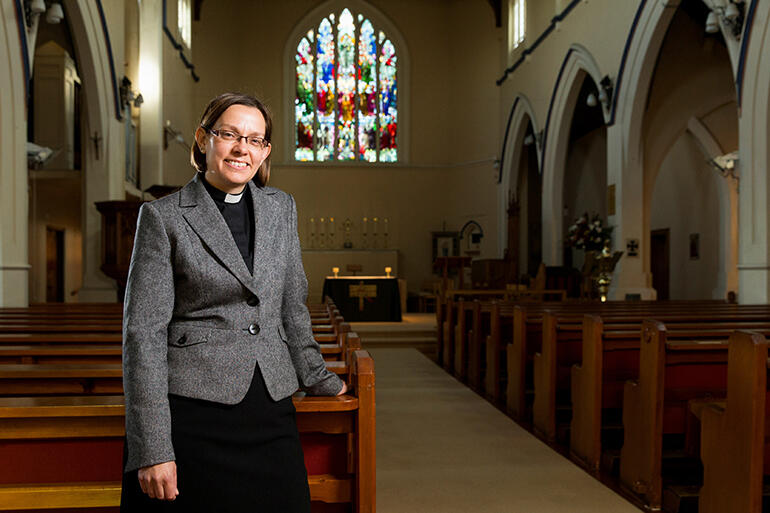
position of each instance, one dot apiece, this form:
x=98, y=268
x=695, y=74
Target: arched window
x=346, y=96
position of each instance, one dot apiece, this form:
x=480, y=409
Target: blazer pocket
x=282, y=333
x=187, y=336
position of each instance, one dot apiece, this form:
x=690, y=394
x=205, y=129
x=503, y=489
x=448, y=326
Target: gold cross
x=362, y=291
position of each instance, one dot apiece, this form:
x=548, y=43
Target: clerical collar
x=222, y=196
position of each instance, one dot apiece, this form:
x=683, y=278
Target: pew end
x=733, y=431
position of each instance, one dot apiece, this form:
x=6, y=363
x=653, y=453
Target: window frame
x=311, y=21
x=517, y=24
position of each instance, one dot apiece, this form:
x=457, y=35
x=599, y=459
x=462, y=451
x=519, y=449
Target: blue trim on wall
x=21, y=22
x=115, y=91
x=178, y=46
x=528, y=51
x=505, y=140
x=550, y=106
x=744, y=50
x=621, y=70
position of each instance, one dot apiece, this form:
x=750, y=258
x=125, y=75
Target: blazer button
x=253, y=301
x=254, y=328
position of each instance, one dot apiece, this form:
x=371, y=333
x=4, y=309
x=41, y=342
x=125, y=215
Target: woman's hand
x=159, y=481
x=344, y=388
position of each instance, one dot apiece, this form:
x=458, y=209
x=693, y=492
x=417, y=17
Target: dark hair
x=212, y=113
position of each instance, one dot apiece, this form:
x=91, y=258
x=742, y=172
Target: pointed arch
x=576, y=65
x=380, y=20
x=103, y=146
x=522, y=114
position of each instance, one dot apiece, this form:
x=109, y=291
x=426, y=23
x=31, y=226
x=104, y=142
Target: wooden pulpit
x=118, y=230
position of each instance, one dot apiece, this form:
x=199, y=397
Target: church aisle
x=442, y=448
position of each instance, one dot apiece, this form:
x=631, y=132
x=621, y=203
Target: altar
x=365, y=298
x=319, y=263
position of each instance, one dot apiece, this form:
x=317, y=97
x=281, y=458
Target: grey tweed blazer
x=197, y=323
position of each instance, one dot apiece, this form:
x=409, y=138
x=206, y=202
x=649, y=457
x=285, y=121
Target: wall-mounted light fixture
x=603, y=94
x=731, y=16
x=605, y=91
x=726, y=165
x=33, y=9
x=171, y=134
x=129, y=96
x=55, y=14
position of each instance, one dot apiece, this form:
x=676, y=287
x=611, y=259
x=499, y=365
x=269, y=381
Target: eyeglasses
x=259, y=143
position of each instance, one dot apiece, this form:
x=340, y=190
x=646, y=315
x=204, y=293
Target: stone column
x=14, y=196
x=632, y=274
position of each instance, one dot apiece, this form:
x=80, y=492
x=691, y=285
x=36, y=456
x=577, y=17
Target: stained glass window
x=346, y=107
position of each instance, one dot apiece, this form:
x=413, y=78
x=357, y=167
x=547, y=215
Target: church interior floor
x=442, y=448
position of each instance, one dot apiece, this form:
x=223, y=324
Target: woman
x=216, y=332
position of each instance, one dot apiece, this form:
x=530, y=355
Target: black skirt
x=231, y=458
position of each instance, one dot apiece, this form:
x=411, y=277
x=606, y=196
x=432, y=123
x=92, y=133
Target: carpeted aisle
x=441, y=448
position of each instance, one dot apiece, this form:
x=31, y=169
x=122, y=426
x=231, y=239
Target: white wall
x=686, y=200
x=453, y=119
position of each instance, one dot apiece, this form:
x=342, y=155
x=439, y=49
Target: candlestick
x=312, y=232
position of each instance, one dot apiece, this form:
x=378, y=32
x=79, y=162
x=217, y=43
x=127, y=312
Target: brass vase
x=605, y=265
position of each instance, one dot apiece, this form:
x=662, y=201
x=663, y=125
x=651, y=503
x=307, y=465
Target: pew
x=733, y=434
x=610, y=356
x=527, y=334
x=67, y=451
x=671, y=373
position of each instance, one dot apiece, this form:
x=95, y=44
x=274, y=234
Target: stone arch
x=379, y=19
x=103, y=143
x=522, y=114
x=577, y=64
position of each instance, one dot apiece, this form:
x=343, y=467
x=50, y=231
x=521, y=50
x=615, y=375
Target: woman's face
x=230, y=164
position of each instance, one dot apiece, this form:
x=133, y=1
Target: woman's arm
x=147, y=310
x=305, y=352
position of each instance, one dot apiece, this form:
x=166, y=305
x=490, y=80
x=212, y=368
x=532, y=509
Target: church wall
x=536, y=77
x=453, y=122
x=177, y=100
x=51, y=206
x=687, y=184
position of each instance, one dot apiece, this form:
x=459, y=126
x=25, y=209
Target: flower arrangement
x=588, y=234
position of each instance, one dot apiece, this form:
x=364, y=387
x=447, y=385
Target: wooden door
x=659, y=261
x=54, y=256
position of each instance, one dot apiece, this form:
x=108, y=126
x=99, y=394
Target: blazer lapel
x=264, y=227
x=205, y=219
